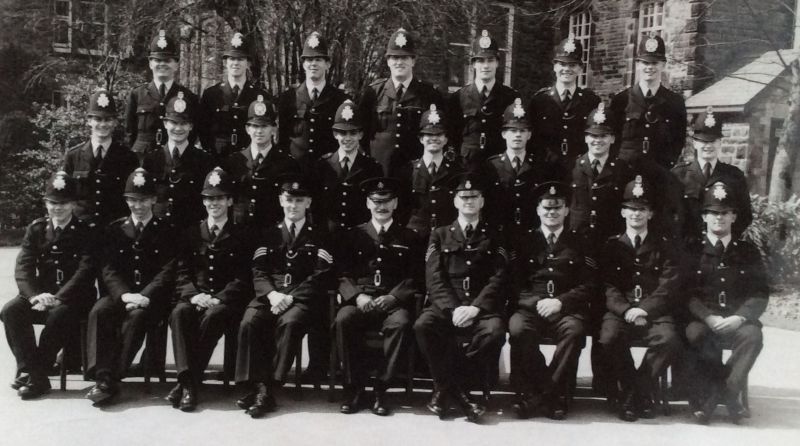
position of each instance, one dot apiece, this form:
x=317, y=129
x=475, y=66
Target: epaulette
x=544, y=90
x=682, y=164
x=75, y=147
x=327, y=155
x=39, y=220
x=378, y=82
x=118, y=221
x=495, y=156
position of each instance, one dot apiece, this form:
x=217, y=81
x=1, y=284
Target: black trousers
x=267, y=342
x=439, y=340
x=529, y=371
x=351, y=325
x=663, y=346
x=114, y=334
x=704, y=360
x=60, y=324
x=195, y=334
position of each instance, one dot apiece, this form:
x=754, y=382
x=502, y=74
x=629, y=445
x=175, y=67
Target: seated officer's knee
x=14, y=309
x=749, y=334
x=696, y=332
x=572, y=328
x=425, y=323
x=345, y=316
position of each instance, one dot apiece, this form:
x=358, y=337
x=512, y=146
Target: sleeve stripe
x=324, y=255
x=259, y=252
x=431, y=250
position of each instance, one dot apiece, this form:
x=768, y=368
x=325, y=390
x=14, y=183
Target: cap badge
x=710, y=121
x=468, y=184
x=434, y=117
x=214, y=179
x=180, y=104
x=102, y=100
x=485, y=41
x=162, y=39
x=59, y=183
x=569, y=47
x=552, y=190
x=138, y=179
x=638, y=189
x=400, y=40
x=600, y=114
x=651, y=45
x=236, y=41
x=260, y=109
x=518, y=111
x=295, y=185
x=313, y=41
x=719, y=192
x=347, y=113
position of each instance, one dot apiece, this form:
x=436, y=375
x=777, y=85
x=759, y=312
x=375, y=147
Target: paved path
x=142, y=418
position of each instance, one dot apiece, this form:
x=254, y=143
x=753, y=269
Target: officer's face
x=433, y=143
x=719, y=222
x=650, y=71
x=485, y=68
x=294, y=207
x=348, y=139
x=59, y=211
x=707, y=150
x=141, y=208
x=177, y=132
x=217, y=207
x=516, y=139
x=101, y=127
x=315, y=67
x=552, y=212
x=567, y=73
x=401, y=67
x=599, y=145
x=382, y=209
x=163, y=68
x=260, y=135
x=468, y=203
x=636, y=217
x=237, y=66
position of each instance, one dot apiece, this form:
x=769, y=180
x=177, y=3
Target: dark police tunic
x=430, y=202
x=222, y=118
x=63, y=264
x=476, y=121
x=558, y=129
x=392, y=126
x=100, y=185
x=339, y=201
x=144, y=127
x=305, y=125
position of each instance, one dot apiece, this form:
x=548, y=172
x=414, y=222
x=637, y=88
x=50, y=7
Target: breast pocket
x=147, y=116
x=384, y=112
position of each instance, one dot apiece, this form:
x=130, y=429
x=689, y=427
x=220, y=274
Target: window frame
x=580, y=26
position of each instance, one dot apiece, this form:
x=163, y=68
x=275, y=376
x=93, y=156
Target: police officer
x=380, y=273
x=477, y=108
x=393, y=107
x=559, y=112
x=179, y=167
x=514, y=174
x=307, y=110
x=144, y=125
x=256, y=168
x=101, y=165
x=698, y=175
x=55, y=272
x=432, y=177
x=650, y=119
x=212, y=287
x=340, y=200
x=552, y=287
x=728, y=294
x=465, y=269
x=642, y=279
x=138, y=282
x=292, y=272
x=223, y=106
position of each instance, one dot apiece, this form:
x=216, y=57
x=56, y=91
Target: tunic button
x=397, y=135
x=211, y=268
x=433, y=201
x=469, y=262
x=550, y=269
x=312, y=119
x=398, y=124
x=136, y=257
x=344, y=193
x=97, y=181
x=311, y=130
x=97, y=203
x=722, y=279
x=400, y=115
x=211, y=256
x=255, y=187
x=380, y=259
x=565, y=127
x=483, y=121
x=344, y=204
x=310, y=140
x=647, y=126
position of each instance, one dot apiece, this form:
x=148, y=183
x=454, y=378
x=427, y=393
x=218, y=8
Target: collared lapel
x=224, y=233
x=389, y=90
x=152, y=90
x=227, y=93
x=505, y=164
x=625, y=240
x=648, y=244
x=636, y=96
x=266, y=162
x=372, y=232
x=412, y=91
x=86, y=154
x=539, y=245
x=696, y=173
x=325, y=95
x=708, y=247
x=527, y=164
x=456, y=232
x=608, y=169
x=285, y=234
x=205, y=233
x=173, y=91
x=335, y=164
x=357, y=167
x=129, y=229
x=443, y=171
x=301, y=96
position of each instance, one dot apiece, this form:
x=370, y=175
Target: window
x=498, y=19
x=580, y=25
x=80, y=26
x=651, y=20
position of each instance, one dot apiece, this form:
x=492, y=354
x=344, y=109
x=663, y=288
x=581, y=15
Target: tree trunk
x=785, y=165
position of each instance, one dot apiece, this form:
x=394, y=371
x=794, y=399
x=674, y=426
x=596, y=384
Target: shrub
x=776, y=233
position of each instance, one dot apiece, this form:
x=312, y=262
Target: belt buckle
x=433, y=223
x=287, y=279
x=465, y=284
x=564, y=148
x=137, y=276
x=517, y=216
x=551, y=288
x=59, y=276
x=722, y=299
x=159, y=137
x=645, y=146
x=593, y=218
x=637, y=293
x=234, y=139
x=377, y=278
x=482, y=140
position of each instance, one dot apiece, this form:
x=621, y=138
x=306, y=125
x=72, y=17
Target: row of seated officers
x=480, y=281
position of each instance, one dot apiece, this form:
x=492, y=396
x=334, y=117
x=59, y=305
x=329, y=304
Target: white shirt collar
x=703, y=164
x=352, y=156
x=234, y=84
x=405, y=83
x=560, y=89
x=310, y=86
x=644, y=87
x=298, y=225
x=377, y=226
x=61, y=226
x=254, y=151
x=462, y=222
x=105, y=148
x=632, y=235
x=521, y=154
x=546, y=232
x=220, y=223
x=181, y=148
x=602, y=160
x=428, y=157
x=167, y=85
x=489, y=85
x=725, y=240
x=144, y=222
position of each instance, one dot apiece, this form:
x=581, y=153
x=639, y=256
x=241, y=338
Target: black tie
x=214, y=232
x=345, y=167
x=98, y=157
x=162, y=90
x=292, y=233
x=314, y=95
x=567, y=97
x=432, y=168
x=719, y=248
x=637, y=242
x=707, y=171
x=468, y=231
x=649, y=94
x=485, y=92
x=176, y=154
x=381, y=232
x=551, y=242
x=516, y=164
x=400, y=91
x=259, y=159
x=235, y=92
x=139, y=229
x=58, y=231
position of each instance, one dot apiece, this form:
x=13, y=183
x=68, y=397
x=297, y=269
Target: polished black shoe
x=34, y=388
x=353, y=400
x=174, y=396
x=711, y=404
x=473, y=411
x=188, y=399
x=700, y=416
x=735, y=409
x=20, y=381
x=526, y=405
x=103, y=391
x=438, y=404
x=628, y=410
x=246, y=401
x=646, y=407
x=263, y=402
x=379, y=407
x=556, y=407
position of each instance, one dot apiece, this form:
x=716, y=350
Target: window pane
x=61, y=8
x=61, y=33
